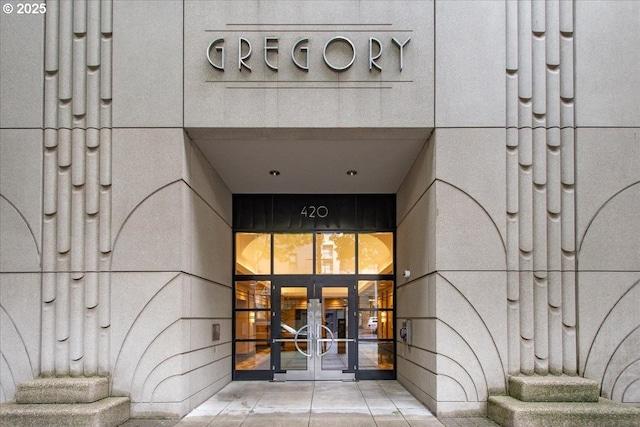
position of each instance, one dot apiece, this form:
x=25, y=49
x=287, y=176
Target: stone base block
x=108, y=412
x=510, y=412
x=553, y=388
x=63, y=390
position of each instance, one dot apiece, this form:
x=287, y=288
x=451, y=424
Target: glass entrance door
x=314, y=330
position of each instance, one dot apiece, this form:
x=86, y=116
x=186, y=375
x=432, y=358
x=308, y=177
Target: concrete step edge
x=62, y=390
x=507, y=411
x=108, y=412
x=552, y=388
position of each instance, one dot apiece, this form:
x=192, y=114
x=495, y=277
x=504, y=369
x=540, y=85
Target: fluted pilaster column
x=540, y=187
x=77, y=188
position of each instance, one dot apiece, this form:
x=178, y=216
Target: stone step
x=108, y=412
x=552, y=388
x=63, y=390
x=510, y=412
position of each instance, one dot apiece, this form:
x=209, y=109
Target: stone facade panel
x=607, y=62
x=469, y=95
x=607, y=164
x=20, y=331
x=609, y=322
x=21, y=70
x=239, y=97
x=472, y=160
x=147, y=64
x=466, y=237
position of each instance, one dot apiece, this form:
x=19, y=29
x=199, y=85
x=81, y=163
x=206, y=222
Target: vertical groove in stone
x=62, y=311
x=540, y=232
x=93, y=99
x=539, y=154
x=538, y=14
x=105, y=157
x=93, y=138
x=93, y=34
x=92, y=206
x=106, y=16
x=65, y=55
x=79, y=101
x=566, y=68
x=539, y=80
x=513, y=332
x=512, y=104
x=90, y=358
x=552, y=32
x=76, y=187
x=555, y=341
x=553, y=98
x=105, y=219
x=79, y=16
x=64, y=212
x=51, y=109
x=512, y=101
x=527, y=354
x=64, y=147
x=525, y=209
x=512, y=181
x=51, y=38
x=566, y=16
x=50, y=182
x=541, y=326
x=511, y=9
x=105, y=68
x=77, y=233
x=47, y=344
x=524, y=50
x=104, y=318
x=553, y=173
x=78, y=157
x=76, y=329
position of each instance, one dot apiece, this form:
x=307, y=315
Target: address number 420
x=314, y=211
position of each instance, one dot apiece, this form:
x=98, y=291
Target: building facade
x=507, y=133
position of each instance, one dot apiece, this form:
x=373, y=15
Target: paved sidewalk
x=308, y=403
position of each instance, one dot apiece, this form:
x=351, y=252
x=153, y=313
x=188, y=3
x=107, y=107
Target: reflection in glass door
x=316, y=329
x=292, y=340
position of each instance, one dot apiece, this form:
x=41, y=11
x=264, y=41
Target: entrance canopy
x=311, y=160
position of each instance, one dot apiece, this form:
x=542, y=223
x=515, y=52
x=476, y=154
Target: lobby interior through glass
x=278, y=278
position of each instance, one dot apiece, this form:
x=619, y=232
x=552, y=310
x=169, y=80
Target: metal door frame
x=314, y=328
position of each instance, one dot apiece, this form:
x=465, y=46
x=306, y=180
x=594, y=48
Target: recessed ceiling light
x=274, y=172
x=352, y=172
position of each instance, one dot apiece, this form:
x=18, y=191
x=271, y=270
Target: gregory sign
x=338, y=53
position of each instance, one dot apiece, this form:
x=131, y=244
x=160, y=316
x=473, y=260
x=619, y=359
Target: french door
x=314, y=328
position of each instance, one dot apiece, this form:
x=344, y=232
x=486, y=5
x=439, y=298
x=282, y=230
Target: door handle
x=319, y=340
x=295, y=340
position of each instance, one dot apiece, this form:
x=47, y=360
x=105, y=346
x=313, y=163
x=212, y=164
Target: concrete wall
x=171, y=217
x=608, y=196
x=451, y=225
x=518, y=221
x=21, y=81
x=170, y=279
x=261, y=98
x=161, y=228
